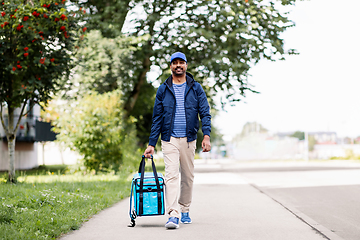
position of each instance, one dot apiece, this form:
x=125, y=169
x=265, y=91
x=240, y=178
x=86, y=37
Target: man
x=179, y=102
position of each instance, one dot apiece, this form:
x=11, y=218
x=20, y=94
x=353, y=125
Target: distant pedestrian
x=179, y=102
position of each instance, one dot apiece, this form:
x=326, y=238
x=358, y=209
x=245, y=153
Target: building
x=31, y=131
x=255, y=145
x=324, y=137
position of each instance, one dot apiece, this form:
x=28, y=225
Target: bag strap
x=158, y=189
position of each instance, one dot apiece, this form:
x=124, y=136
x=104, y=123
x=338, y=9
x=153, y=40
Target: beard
x=180, y=73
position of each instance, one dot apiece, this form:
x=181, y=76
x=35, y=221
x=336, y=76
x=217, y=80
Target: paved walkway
x=224, y=206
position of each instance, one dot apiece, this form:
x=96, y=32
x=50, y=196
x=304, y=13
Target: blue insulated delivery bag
x=147, y=193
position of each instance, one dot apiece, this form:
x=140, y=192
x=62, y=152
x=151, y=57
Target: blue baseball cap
x=178, y=55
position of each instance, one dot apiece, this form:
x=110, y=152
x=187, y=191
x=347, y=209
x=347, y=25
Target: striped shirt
x=179, y=129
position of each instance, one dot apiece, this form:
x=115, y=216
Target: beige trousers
x=178, y=196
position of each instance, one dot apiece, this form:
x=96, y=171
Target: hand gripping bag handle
x=158, y=190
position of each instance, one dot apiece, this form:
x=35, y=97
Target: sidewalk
x=224, y=207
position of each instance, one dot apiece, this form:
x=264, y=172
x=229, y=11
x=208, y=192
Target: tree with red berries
x=37, y=41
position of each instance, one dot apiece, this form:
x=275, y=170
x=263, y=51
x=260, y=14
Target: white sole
x=186, y=222
x=171, y=225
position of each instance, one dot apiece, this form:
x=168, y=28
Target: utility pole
x=306, y=146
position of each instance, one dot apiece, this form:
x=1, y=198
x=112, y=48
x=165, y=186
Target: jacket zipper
x=173, y=113
x=187, y=130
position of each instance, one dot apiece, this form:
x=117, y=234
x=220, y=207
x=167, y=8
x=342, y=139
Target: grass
x=46, y=204
x=50, y=201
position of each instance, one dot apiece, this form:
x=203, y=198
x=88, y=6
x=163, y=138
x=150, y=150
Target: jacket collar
x=189, y=80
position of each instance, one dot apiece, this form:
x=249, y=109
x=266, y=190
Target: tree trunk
x=130, y=103
x=61, y=148
x=11, y=137
x=43, y=153
x=10, y=131
x=11, y=149
x=148, y=50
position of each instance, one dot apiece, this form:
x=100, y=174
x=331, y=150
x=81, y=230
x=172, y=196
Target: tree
x=101, y=65
x=252, y=127
x=102, y=69
x=299, y=135
x=95, y=127
x=222, y=39
x=37, y=42
x=311, y=143
x=108, y=16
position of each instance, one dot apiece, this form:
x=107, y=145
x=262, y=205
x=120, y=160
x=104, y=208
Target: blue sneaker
x=173, y=223
x=185, y=218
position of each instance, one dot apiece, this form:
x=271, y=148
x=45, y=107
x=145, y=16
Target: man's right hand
x=149, y=151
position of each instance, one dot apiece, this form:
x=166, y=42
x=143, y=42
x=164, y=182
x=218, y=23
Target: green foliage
x=299, y=135
x=101, y=62
x=216, y=137
x=45, y=207
x=95, y=126
x=104, y=68
x=349, y=155
x=44, y=169
x=222, y=39
x=37, y=40
x=252, y=127
x=142, y=111
x=311, y=142
x=107, y=16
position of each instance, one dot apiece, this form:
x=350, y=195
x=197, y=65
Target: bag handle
x=142, y=172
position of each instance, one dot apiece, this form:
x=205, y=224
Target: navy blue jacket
x=196, y=105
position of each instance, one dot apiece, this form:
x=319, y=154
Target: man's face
x=178, y=67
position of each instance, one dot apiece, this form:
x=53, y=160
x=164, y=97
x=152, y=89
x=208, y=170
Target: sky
x=317, y=90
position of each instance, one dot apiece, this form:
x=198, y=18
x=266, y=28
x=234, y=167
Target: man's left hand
x=206, y=146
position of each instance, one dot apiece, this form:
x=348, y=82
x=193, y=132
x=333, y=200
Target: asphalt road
x=325, y=195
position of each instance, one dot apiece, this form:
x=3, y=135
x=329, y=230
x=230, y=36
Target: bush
x=95, y=126
x=349, y=156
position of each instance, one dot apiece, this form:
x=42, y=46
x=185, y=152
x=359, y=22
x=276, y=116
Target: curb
x=320, y=229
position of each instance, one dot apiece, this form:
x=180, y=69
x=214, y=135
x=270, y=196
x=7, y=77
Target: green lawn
x=47, y=204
